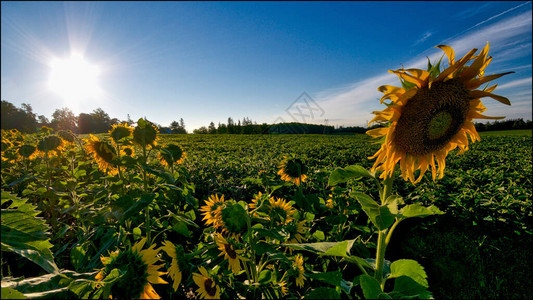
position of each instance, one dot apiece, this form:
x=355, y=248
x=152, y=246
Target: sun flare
x=74, y=78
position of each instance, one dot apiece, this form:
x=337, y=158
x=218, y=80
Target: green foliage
x=24, y=233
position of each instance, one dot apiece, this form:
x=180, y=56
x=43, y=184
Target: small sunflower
x=212, y=210
x=171, y=154
x=120, y=131
x=230, y=253
x=432, y=114
x=280, y=211
x=207, y=288
x=284, y=290
x=103, y=154
x=127, y=151
x=293, y=169
x=145, y=134
x=50, y=144
x=174, y=271
x=139, y=271
x=298, y=270
x=27, y=151
x=296, y=232
x=258, y=204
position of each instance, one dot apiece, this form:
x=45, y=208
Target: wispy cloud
x=423, y=37
x=524, y=82
x=353, y=104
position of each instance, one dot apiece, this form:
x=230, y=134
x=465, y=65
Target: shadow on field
x=466, y=261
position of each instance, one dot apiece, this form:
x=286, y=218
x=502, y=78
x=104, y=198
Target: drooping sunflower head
x=259, y=204
x=296, y=232
x=234, y=218
x=27, y=151
x=171, y=154
x=50, y=144
x=297, y=271
x=280, y=211
x=119, y=132
x=139, y=271
x=145, y=134
x=207, y=287
x=431, y=114
x=176, y=252
x=293, y=170
x=103, y=153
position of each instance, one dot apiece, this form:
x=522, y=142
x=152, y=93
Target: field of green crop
x=140, y=224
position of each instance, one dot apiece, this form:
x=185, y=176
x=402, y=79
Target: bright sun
x=74, y=78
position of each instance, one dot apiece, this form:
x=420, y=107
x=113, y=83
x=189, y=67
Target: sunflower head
x=178, y=263
x=49, y=144
x=120, y=131
x=230, y=253
x=138, y=269
x=431, y=114
x=293, y=169
x=207, y=286
x=235, y=218
x=27, y=151
x=145, y=134
x=280, y=212
x=66, y=136
x=171, y=154
x=103, y=153
x=127, y=150
x=212, y=210
x=297, y=271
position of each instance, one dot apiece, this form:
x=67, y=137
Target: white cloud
x=525, y=82
x=353, y=104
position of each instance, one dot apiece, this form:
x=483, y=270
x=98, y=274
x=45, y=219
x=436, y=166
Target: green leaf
x=77, y=256
x=323, y=293
x=410, y=268
x=24, y=233
x=265, y=276
x=333, y=278
x=406, y=287
x=351, y=172
x=417, y=210
x=8, y=293
x=137, y=206
x=380, y=215
x=371, y=288
x=325, y=248
x=54, y=285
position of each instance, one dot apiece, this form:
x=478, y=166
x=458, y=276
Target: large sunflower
x=102, y=153
x=432, y=114
x=140, y=271
x=171, y=154
x=292, y=169
x=207, y=288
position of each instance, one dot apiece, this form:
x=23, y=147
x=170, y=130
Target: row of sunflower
x=135, y=220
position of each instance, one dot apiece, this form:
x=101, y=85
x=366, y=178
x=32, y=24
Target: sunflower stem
x=383, y=235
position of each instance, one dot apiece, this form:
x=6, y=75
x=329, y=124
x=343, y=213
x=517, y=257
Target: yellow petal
x=475, y=83
x=480, y=94
x=474, y=69
x=451, y=69
x=377, y=132
x=450, y=53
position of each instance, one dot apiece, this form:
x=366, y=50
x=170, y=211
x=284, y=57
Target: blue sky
x=268, y=61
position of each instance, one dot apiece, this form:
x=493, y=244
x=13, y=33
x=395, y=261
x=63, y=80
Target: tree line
x=98, y=121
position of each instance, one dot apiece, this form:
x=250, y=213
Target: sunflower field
x=133, y=213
